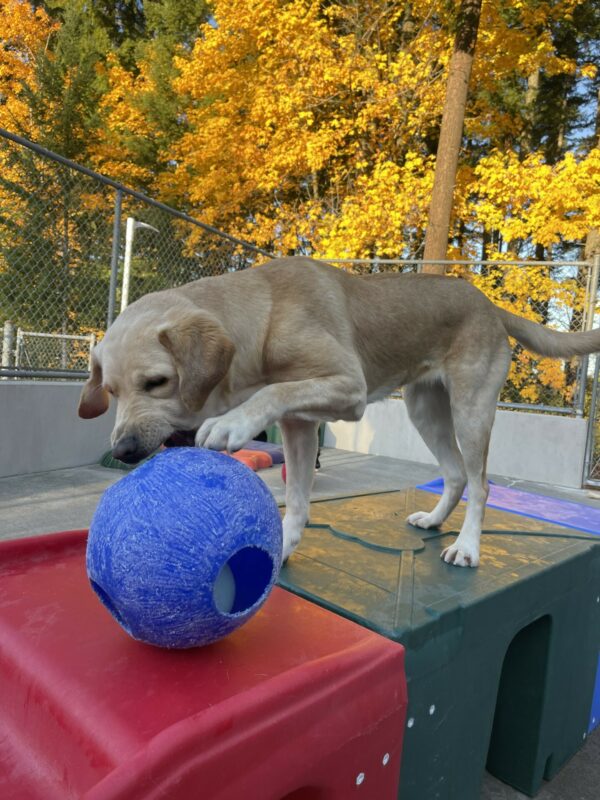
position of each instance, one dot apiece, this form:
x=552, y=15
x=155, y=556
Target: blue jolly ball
x=186, y=548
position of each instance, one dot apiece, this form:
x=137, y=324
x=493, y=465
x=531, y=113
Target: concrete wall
x=537, y=447
x=40, y=429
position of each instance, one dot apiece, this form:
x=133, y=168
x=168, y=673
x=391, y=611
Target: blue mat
x=536, y=506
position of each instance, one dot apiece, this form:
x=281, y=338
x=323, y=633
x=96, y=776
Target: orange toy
x=255, y=459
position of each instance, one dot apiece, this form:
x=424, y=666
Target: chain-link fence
x=161, y=250
x=64, y=243
x=51, y=351
x=560, y=294
x=75, y=247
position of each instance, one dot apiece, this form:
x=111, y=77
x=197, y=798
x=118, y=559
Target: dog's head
x=160, y=366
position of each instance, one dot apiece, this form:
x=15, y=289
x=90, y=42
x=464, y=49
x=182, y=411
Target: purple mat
x=274, y=450
x=536, y=506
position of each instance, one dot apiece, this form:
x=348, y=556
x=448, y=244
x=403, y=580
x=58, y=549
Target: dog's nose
x=127, y=449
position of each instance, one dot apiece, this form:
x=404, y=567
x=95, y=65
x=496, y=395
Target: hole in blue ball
x=243, y=580
x=108, y=603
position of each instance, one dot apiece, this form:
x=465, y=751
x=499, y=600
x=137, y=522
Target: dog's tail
x=546, y=342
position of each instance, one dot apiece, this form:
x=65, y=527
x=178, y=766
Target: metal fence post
x=590, y=309
x=114, y=259
x=588, y=323
x=590, y=442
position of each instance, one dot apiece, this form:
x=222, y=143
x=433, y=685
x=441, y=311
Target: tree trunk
x=531, y=97
x=459, y=73
x=592, y=242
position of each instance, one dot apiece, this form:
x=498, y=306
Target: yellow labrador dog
x=297, y=341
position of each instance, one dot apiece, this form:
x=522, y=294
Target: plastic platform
x=298, y=704
x=500, y=661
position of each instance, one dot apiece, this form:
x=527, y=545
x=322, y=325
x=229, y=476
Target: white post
x=129, y=235
x=130, y=228
x=19, y=347
x=8, y=339
x=7, y=343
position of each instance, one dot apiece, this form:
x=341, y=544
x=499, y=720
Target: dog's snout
x=128, y=450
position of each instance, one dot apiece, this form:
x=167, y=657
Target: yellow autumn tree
x=532, y=201
x=121, y=110
x=297, y=110
x=25, y=32
x=49, y=84
x=312, y=126
x=139, y=113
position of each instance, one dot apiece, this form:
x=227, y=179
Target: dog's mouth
x=181, y=439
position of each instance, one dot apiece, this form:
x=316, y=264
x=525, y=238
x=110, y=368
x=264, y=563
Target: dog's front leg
x=298, y=406
x=300, y=444
x=313, y=400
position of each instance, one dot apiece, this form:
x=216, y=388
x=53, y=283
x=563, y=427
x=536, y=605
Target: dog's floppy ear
x=94, y=399
x=202, y=352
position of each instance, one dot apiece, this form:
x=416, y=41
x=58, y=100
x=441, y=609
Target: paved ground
x=66, y=499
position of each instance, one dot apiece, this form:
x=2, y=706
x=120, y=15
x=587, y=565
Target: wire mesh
x=592, y=454
x=554, y=294
x=55, y=241
x=44, y=351
x=168, y=252
x=56, y=245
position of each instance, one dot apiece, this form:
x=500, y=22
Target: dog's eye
x=154, y=383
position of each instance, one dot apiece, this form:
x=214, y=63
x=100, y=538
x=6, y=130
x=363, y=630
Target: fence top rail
x=566, y=410
x=22, y=372
x=79, y=337
x=37, y=148
x=409, y=262
x=120, y=187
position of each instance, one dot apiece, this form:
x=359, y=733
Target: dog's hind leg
x=428, y=406
x=300, y=443
x=473, y=398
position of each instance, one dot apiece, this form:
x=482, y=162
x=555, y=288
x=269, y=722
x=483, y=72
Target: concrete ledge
x=40, y=429
x=542, y=448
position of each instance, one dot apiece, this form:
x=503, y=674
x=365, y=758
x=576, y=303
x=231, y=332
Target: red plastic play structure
x=298, y=704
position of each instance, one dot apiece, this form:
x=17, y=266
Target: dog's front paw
x=463, y=553
x=423, y=519
x=229, y=432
